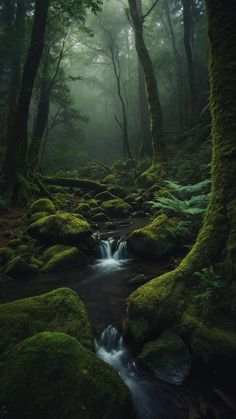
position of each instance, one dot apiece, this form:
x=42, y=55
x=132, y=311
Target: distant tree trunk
x=41, y=117
x=188, y=38
x=144, y=115
x=178, y=66
x=124, y=124
x=157, y=131
x=15, y=65
x=14, y=166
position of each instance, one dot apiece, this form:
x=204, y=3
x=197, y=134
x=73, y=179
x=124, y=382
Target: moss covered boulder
x=105, y=196
x=60, y=310
x=156, y=239
x=18, y=267
x=43, y=205
x=62, y=228
x=51, y=375
x=61, y=257
x=37, y=216
x=6, y=253
x=117, y=208
x=168, y=357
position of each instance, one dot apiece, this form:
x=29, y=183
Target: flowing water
x=151, y=399
x=113, y=255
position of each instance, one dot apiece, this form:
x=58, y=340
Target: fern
x=188, y=189
x=179, y=202
x=210, y=283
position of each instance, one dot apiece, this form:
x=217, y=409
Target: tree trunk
x=144, y=115
x=157, y=131
x=14, y=166
x=15, y=65
x=216, y=242
x=178, y=66
x=41, y=118
x=188, y=38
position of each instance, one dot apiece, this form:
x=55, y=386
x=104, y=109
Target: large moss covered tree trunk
x=163, y=299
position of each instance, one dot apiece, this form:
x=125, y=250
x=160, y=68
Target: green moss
x=43, y=205
x=66, y=259
x=37, y=216
x=6, y=253
x=156, y=239
x=19, y=268
x=50, y=375
x=153, y=175
x=83, y=208
x=117, y=208
x=62, y=228
x=60, y=310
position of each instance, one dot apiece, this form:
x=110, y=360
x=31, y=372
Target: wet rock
x=62, y=257
x=117, y=208
x=19, y=268
x=168, y=357
x=6, y=253
x=156, y=239
x=43, y=205
x=59, y=310
x=62, y=228
x=105, y=196
x=100, y=217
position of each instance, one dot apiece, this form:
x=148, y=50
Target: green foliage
x=179, y=202
x=211, y=284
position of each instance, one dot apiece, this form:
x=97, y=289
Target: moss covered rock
x=156, y=239
x=168, y=357
x=117, y=208
x=60, y=310
x=99, y=217
x=37, y=216
x=65, y=258
x=18, y=267
x=6, y=253
x=105, y=196
x=51, y=375
x=43, y=205
x=62, y=228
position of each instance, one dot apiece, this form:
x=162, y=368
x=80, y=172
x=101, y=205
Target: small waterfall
x=113, y=255
x=111, y=348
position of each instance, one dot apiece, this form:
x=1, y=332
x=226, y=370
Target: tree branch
x=150, y=10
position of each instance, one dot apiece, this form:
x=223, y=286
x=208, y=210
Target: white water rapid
x=113, y=255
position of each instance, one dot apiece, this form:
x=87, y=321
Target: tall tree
x=157, y=131
x=14, y=166
x=144, y=116
x=188, y=43
x=216, y=242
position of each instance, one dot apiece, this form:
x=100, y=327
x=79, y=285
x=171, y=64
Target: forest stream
x=104, y=286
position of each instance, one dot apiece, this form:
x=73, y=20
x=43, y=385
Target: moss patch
x=156, y=239
x=117, y=208
x=65, y=259
x=43, y=205
x=62, y=228
x=60, y=310
x=50, y=375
